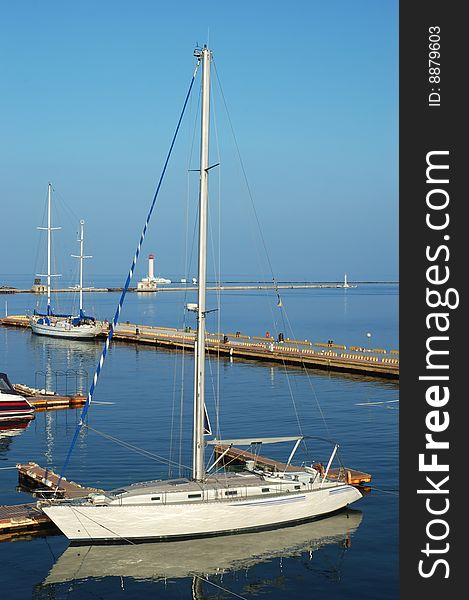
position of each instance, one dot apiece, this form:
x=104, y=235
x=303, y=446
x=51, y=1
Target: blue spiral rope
x=124, y=291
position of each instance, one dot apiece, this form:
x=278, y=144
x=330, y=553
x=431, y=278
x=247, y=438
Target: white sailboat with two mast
x=210, y=502
x=70, y=326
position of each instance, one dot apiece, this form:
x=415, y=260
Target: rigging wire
x=264, y=245
x=126, y=286
x=181, y=408
x=217, y=272
x=248, y=187
x=39, y=244
x=223, y=589
x=375, y=489
x=66, y=208
x=66, y=216
x=187, y=263
x=136, y=449
x=75, y=510
x=171, y=426
x=215, y=377
x=284, y=316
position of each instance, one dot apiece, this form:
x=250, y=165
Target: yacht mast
x=81, y=257
x=198, y=462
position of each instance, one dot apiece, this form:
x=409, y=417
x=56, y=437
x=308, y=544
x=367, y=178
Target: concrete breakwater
x=228, y=286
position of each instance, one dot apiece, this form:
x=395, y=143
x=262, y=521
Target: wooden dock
x=23, y=520
x=42, y=482
x=50, y=400
x=331, y=357
x=374, y=362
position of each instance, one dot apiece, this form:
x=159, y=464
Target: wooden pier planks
x=23, y=519
x=273, y=352
x=57, y=401
x=32, y=476
x=49, y=401
x=27, y=519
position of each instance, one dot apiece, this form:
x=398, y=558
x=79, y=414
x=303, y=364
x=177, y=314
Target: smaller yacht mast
x=49, y=239
x=81, y=256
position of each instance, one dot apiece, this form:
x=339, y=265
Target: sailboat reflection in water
x=213, y=501
x=206, y=557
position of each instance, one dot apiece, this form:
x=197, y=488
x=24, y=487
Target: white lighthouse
x=151, y=274
x=150, y=283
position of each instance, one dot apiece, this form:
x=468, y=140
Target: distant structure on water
x=150, y=283
x=38, y=287
x=346, y=285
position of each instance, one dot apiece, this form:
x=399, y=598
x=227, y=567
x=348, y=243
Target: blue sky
x=91, y=93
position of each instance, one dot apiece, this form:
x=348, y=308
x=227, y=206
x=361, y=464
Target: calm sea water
x=143, y=398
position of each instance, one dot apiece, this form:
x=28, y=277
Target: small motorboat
x=13, y=406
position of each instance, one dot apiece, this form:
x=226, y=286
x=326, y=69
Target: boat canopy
x=74, y=320
x=260, y=440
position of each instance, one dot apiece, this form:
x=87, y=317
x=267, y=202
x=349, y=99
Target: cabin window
x=266, y=489
x=156, y=498
x=297, y=487
x=194, y=495
x=231, y=493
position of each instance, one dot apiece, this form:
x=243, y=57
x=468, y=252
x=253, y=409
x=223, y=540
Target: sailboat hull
x=83, y=523
x=63, y=329
x=205, y=557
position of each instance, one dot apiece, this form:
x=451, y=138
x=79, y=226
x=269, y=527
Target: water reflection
x=71, y=351
x=217, y=556
x=63, y=365
x=49, y=438
x=8, y=431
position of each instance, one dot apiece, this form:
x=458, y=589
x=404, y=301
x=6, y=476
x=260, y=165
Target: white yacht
x=261, y=496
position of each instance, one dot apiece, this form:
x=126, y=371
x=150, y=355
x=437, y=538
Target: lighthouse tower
x=148, y=284
x=151, y=273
